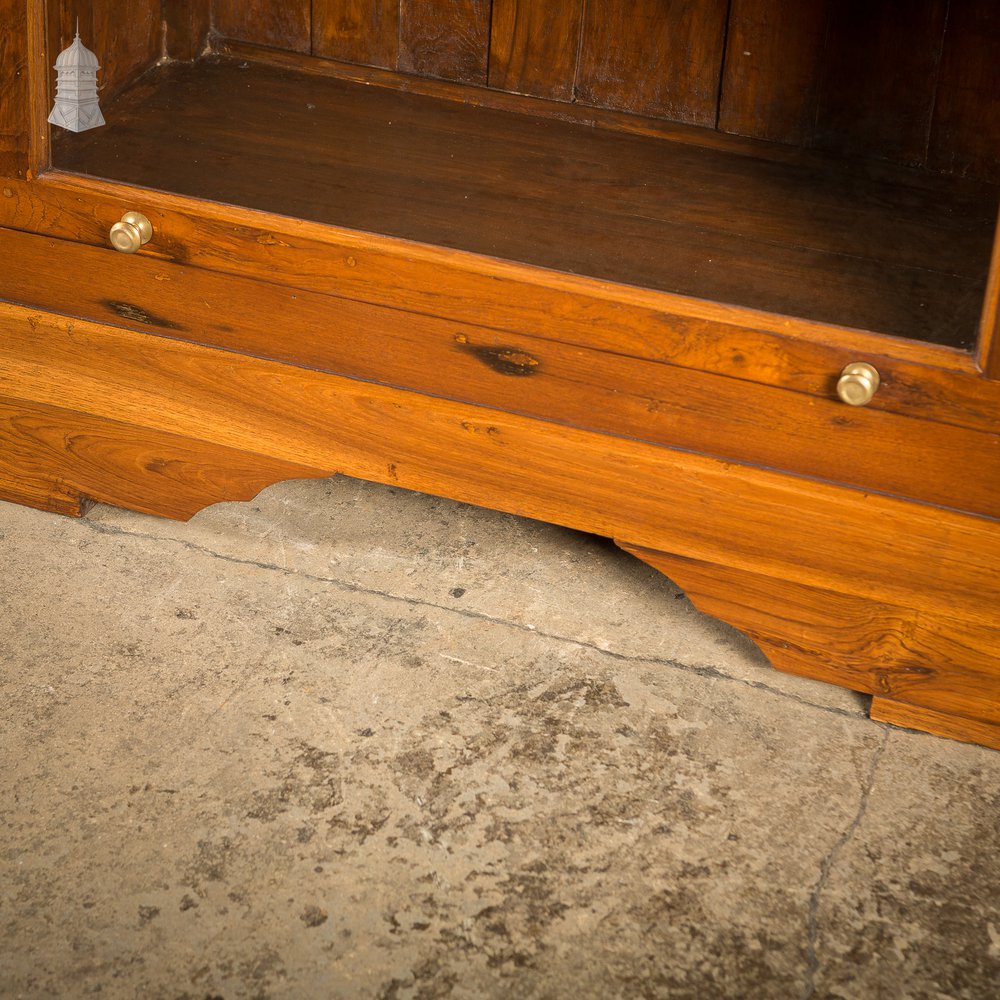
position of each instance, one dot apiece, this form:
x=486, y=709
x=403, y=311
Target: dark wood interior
x=916, y=82
x=894, y=251
x=912, y=81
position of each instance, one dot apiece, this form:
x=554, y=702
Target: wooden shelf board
x=884, y=250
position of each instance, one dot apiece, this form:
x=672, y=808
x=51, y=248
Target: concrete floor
x=347, y=741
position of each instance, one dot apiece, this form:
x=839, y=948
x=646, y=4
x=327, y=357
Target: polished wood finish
x=14, y=95
x=879, y=77
x=362, y=31
x=966, y=135
x=528, y=373
x=770, y=82
x=622, y=43
x=445, y=38
x=988, y=353
x=916, y=82
x=534, y=47
x=927, y=557
x=927, y=381
x=63, y=461
x=907, y=80
x=941, y=660
x=285, y=25
x=826, y=245
x=867, y=591
x=926, y=720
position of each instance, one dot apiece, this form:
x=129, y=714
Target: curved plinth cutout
x=932, y=672
x=929, y=667
x=62, y=461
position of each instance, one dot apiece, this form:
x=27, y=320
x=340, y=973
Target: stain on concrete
x=565, y=783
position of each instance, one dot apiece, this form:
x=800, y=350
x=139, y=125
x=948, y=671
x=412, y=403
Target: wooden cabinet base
x=871, y=592
x=64, y=461
x=933, y=671
x=926, y=720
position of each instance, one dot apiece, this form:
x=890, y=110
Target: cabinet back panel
x=445, y=38
x=280, y=25
x=358, y=31
x=912, y=81
x=655, y=57
x=966, y=133
x=534, y=48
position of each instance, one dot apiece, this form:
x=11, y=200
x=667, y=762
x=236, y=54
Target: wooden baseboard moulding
x=930, y=671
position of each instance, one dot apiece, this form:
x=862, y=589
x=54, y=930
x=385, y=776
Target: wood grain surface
x=966, y=132
x=926, y=720
x=718, y=512
x=362, y=31
x=928, y=382
x=913, y=81
x=14, y=119
x=186, y=25
x=879, y=77
x=863, y=590
x=61, y=461
x=832, y=245
x=771, y=78
x=445, y=38
x=654, y=57
x=582, y=387
x=988, y=353
x=534, y=47
x=286, y=25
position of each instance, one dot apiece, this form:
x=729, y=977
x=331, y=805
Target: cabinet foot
x=955, y=727
x=928, y=670
x=63, y=461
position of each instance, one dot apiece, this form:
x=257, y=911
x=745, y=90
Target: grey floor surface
x=347, y=741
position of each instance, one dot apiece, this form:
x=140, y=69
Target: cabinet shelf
x=863, y=245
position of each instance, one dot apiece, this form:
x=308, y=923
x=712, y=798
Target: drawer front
x=587, y=387
x=925, y=381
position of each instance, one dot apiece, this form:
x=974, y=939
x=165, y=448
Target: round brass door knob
x=132, y=233
x=858, y=384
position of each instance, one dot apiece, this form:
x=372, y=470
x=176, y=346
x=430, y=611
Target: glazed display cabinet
x=717, y=279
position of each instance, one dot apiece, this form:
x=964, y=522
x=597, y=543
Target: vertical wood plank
x=449, y=39
x=286, y=24
x=881, y=67
x=125, y=52
x=770, y=84
x=14, y=116
x=988, y=353
x=186, y=23
x=534, y=47
x=39, y=138
x=358, y=31
x=654, y=57
x=965, y=136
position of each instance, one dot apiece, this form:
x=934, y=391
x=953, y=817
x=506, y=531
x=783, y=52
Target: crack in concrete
x=812, y=959
x=712, y=673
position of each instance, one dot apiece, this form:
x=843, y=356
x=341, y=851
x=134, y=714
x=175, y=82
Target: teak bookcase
x=710, y=278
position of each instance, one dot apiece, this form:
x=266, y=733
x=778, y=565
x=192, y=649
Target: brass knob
x=132, y=233
x=858, y=384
